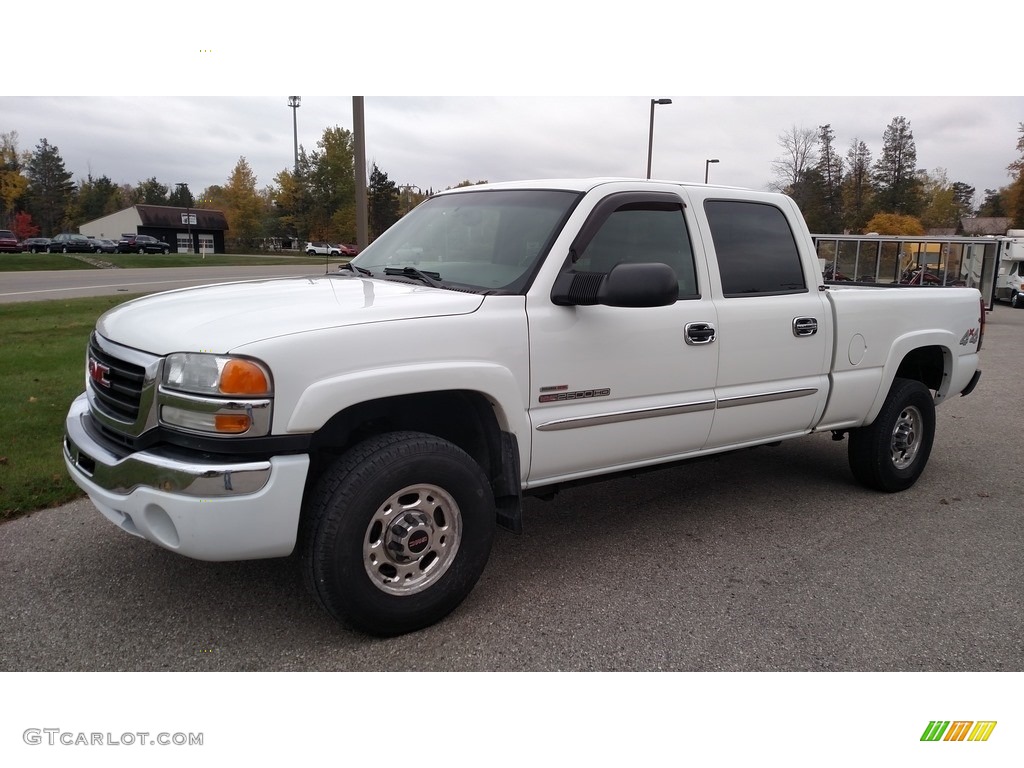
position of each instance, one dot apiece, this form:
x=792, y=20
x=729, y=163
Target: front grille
x=116, y=385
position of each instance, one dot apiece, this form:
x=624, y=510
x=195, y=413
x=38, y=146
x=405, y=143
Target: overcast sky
x=542, y=92
x=436, y=142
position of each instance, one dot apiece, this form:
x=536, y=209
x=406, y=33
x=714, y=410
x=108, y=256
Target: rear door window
x=757, y=253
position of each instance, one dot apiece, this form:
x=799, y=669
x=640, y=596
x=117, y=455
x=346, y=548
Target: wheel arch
x=929, y=363
x=465, y=418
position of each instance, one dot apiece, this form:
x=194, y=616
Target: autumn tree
x=857, y=193
x=895, y=224
x=23, y=226
x=50, y=187
x=897, y=186
x=243, y=205
x=13, y=183
x=799, y=154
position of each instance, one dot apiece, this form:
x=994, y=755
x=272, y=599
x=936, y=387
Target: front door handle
x=805, y=326
x=700, y=333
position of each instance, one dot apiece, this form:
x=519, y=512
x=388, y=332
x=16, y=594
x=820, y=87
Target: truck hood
x=220, y=318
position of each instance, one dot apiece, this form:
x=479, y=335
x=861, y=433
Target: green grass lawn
x=24, y=262
x=42, y=369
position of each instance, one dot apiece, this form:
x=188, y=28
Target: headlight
x=216, y=395
x=205, y=374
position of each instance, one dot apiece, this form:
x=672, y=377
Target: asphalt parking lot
x=770, y=559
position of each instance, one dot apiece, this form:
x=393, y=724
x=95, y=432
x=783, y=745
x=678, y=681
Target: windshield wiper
x=430, y=278
x=350, y=266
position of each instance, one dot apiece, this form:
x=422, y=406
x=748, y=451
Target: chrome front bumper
x=205, y=510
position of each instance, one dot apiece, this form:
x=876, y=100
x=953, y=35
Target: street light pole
x=650, y=138
x=295, y=102
x=707, y=163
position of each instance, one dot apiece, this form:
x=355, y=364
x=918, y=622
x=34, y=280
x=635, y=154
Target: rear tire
x=890, y=454
x=396, y=533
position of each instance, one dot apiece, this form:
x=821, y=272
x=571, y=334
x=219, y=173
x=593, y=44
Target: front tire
x=890, y=454
x=397, y=532
x=1015, y=301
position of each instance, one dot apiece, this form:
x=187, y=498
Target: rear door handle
x=805, y=326
x=700, y=333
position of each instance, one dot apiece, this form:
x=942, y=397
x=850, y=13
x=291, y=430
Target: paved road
x=765, y=560
x=77, y=283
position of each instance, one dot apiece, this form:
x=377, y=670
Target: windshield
x=490, y=240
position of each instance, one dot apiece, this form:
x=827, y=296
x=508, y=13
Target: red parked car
x=8, y=242
x=348, y=250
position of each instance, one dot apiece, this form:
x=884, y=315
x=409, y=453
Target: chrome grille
x=120, y=383
x=117, y=385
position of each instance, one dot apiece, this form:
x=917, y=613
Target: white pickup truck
x=499, y=341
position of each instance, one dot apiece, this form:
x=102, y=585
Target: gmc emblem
x=98, y=373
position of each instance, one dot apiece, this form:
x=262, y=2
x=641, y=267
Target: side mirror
x=626, y=285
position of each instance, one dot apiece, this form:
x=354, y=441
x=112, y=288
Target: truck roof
x=579, y=185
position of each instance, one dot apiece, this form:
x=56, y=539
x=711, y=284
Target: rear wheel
x=142, y=250
x=890, y=454
x=397, y=532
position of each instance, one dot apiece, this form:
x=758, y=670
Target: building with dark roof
x=979, y=226
x=169, y=223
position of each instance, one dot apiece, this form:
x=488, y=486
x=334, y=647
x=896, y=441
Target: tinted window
x=755, y=247
x=641, y=233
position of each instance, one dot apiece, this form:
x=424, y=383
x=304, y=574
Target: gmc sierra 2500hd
x=500, y=340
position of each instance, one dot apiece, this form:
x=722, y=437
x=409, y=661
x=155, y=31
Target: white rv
x=1010, y=257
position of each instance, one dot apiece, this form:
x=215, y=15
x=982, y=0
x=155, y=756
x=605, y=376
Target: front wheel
x=396, y=533
x=1015, y=301
x=890, y=454
x=166, y=251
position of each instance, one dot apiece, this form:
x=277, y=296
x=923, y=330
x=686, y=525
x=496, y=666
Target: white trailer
x=1010, y=275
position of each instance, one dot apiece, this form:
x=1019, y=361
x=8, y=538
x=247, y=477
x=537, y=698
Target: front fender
x=321, y=400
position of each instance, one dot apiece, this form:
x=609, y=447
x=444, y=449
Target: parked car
x=8, y=242
x=102, y=245
x=322, y=249
x=141, y=244
x=35, y=244
x=348, y=250
x=69, y=242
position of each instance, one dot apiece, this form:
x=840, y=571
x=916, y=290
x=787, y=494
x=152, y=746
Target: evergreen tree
x=963, y=199
x=382, y=194
x=897, y=186
x=857, y=196
x=809, y=194
x=181, y=196
x=50, y=188
x=993, y=204
x=830, y=170
x=95, y=198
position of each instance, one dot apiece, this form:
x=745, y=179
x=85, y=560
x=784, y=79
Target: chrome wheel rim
x=906, y=437
x=412, y=539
